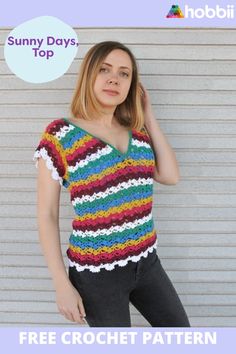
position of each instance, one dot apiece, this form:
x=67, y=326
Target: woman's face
x=114, y=78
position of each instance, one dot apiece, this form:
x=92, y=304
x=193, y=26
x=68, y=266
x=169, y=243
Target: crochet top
x=111, y=193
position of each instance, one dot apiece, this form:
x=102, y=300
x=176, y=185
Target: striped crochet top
x=111, y=193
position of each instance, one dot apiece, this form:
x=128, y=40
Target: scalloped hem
x=43, y=153
x=109, y=267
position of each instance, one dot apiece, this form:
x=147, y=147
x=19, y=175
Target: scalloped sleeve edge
x=42, y=152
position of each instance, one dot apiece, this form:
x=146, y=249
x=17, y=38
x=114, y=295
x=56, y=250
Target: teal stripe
x=133, y=193
x=118, y=237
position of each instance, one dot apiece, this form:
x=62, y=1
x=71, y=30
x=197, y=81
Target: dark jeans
x=106, y=294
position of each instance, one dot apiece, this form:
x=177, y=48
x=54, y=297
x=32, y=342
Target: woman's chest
x=119, y=138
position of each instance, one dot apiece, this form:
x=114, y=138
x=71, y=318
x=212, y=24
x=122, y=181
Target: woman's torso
x=111, y=192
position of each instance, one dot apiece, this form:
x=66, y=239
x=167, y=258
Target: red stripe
x=111, y=180
x=55, y=126
x=91, y=146
x=128, y=215
x=54, y=155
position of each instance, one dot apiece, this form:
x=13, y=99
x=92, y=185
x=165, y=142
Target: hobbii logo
x=209, y=12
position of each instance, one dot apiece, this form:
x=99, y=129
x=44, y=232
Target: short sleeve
x=51, y=150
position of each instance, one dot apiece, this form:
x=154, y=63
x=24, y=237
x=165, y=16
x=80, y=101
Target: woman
x=108, y=160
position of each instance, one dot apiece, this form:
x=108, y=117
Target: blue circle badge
x=40, y=50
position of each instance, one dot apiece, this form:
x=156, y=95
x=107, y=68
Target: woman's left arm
x=166, y=169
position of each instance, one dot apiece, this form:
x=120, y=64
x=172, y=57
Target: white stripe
x=63, y=131
x=112, y=190
x=139, y=143
x=117, y=228
x=93, y=157
x=44, y=154
x=121, y=263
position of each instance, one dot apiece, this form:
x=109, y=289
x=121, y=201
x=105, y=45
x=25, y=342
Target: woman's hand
x=145, y=98
x=70, y=303
x=146, y=104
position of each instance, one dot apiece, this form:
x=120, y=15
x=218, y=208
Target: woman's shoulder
x=55, y=125
x=143, y=134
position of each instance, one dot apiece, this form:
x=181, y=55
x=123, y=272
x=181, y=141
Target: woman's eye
x=106, y=70
x=103, y=69
x=124, y=74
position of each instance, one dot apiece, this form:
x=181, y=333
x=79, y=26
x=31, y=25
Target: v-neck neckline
x=105, y=142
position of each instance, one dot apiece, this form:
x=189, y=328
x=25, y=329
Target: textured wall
x=191, y=76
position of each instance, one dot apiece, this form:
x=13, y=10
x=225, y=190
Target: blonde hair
x=85, y=104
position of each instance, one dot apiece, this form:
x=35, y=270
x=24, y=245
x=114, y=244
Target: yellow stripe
x=113, y=210
x=78, y=144
x=60, y=150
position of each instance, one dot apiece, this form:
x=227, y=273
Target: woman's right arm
x=68, y=299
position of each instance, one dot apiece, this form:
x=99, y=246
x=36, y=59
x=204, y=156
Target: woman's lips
x=111, y=92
